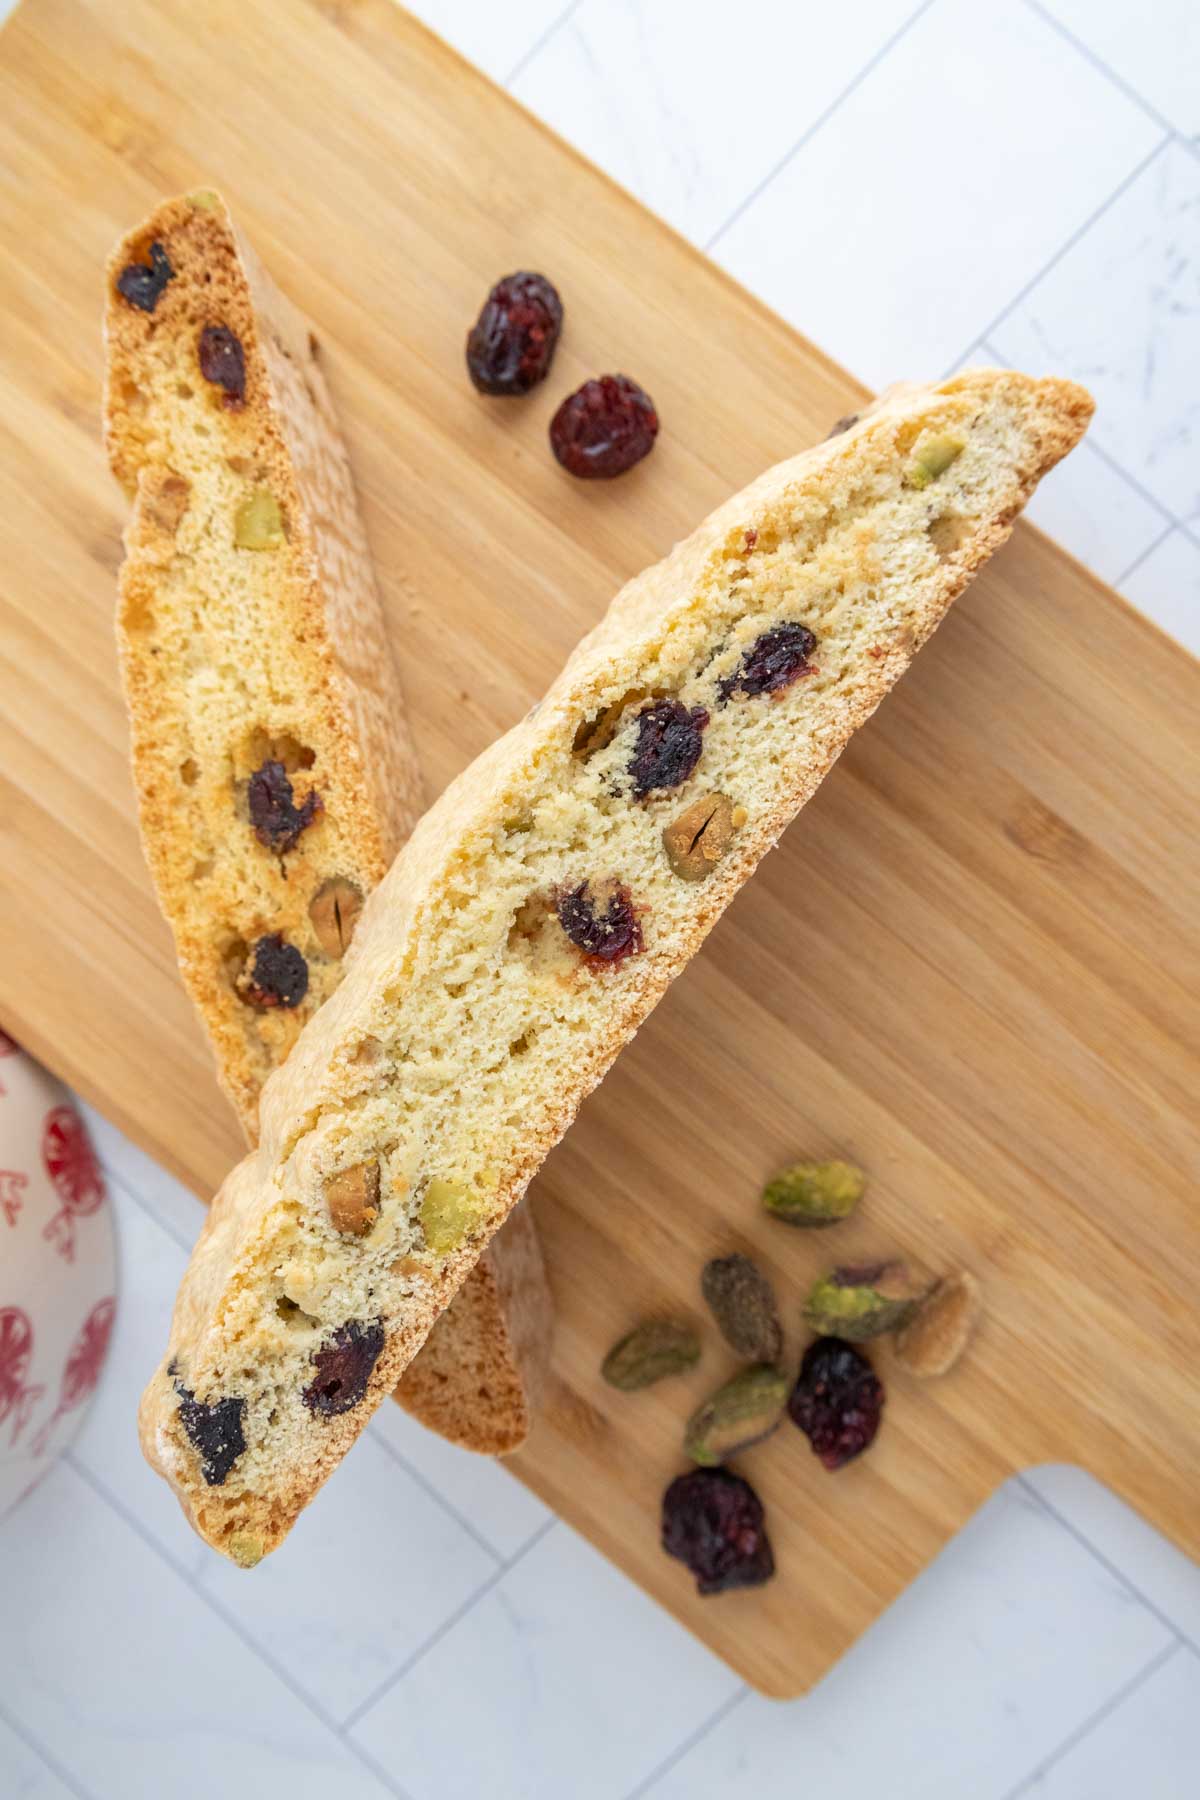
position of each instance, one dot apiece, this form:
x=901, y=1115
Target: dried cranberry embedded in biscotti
x=277, y=820
x=277, y=975
x=670, y=738
x=511, y=344
x=142, y=283
x=214, y=1430
x=604, y=428
x=344, y=1364
x=223, y=362
x=600, y=921
x=776, y=659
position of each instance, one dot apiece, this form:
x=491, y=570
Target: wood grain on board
x=973, y=964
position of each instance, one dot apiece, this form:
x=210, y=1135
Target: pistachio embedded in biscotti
x=142, y=284
x=449, y=1214
x=276, y=974
x=333, y=912
x=696, y=841
x=223, y=362
x=245, y=1549
x=164, y=500
x=258, y=522
x=352, y=1197
x=933, y=456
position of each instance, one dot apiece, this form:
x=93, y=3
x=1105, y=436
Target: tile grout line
x=356, y=1715
x=1110, y=1706
x=434, y=1493
x=539, y=43
x=233, y=1624
x=1141, y=557
x=822, y=118
x=1090, y=444
x=1106, y=69
x=689, y=1743
x=1107, y=1563
x=1064, y=249
x=20, y=1730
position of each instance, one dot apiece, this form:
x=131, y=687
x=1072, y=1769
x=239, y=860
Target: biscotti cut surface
x=541, y=908
x=274, y=772
x=275, y=779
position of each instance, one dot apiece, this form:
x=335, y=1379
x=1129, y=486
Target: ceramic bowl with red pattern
x=57, y=1272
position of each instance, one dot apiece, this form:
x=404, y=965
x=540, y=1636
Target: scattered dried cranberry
x=223, y=362
x=278, y=976
x=712, y=1520
x=344, y=1366
x=670, y=739
x=837, y=1401
x=603, y=428
x=511, y=344
x=606, y=936
x=214, y=1430
x=142, y=283
x=776, y=659
x=276, y=818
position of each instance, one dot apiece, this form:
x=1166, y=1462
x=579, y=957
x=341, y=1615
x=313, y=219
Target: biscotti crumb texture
x=539, y=912
x=275, y=778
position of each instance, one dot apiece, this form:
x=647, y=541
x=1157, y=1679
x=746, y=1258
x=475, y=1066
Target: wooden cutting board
x=973, y=964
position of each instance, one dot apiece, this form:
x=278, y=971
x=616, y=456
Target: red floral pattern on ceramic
x=18, y=1396
x=56, y=1272
x=83, y=1366
x=72, y=1167
x=12, y=1181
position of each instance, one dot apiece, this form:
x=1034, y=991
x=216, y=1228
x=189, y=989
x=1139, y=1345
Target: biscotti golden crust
x=240, y=655
x=539, y=911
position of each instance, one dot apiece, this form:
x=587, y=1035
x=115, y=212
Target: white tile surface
x=1121, y=312
x=680, y=103
x=1167, y=586
x=962, y=184
x=1148, y=1746
x=26, y=1776
x=151, y=1265
x=504, y=1512
x=372, y=1570
x=1166, y=1578
x=1090, y=507
x=495, y=37
x=941, y=185
x=1025, y=1632
x=1154, y=50
x=112, y=1659
x=564, y=1680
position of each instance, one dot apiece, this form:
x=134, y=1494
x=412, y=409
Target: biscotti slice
x=274, y=773
x=541, y=908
